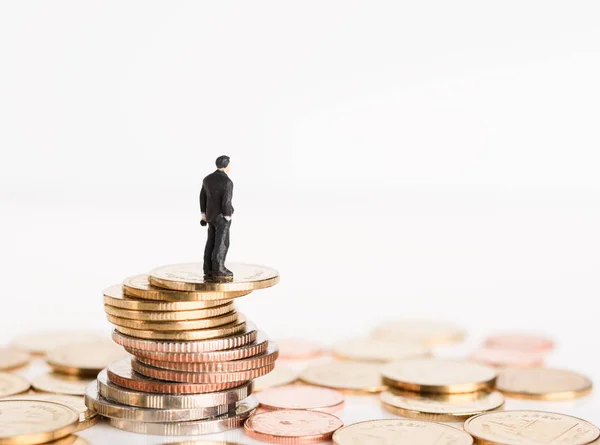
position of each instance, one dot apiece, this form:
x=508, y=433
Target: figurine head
x=223, y=163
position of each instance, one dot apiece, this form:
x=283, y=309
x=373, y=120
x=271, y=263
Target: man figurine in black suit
x=216, y=208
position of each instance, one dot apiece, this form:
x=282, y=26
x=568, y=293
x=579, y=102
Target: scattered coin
x=179, y=325
x=301, y=397
x=202, y=442
x=190, y=277
x=416, y=406
x=436, y=375
x=11, y=359
x=84, y=358
x=292, y=426
x=522, y=342
x=530, y=428
x=60, y=384
x=11, y=384
x=279, y=376
x=374, y=350
x=507, y=357
x=69, y=440
x=164, y=316
x=298, y=349
x=543, y=383
x=31, y=422
x=42, y=342
x=345, y=376
x=113, y=296
x=400, y=432
x=431, y=333
x=193, y=428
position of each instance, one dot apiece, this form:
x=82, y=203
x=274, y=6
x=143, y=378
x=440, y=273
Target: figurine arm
x=203, y=202
x=226, y=206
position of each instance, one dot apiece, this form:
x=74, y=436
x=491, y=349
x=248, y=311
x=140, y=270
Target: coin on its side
x=280, y=375
x=530, y=428
x=307, y=397
x=60, y=384
x=427, y=408
x=292, y=426
x=190, y=277
x=178, y=325
x=32, y=421
x=11, y=359
x=162, y=316
x=431, y=333
x=521, y=342
x=11, y=384
x=400, y=432
x=85, y=358
x=345, y=376
x=297, y=349
x=438, y=376
x=379, y=351
x=42, y=342
x=543, y=383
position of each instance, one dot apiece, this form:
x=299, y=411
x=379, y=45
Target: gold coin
x=140, y=287
x=190, y=277
x=12, y=384
x=70, y=440
x=543, y=383
x=431, y=333
x=380, y=351
x=25, y=422
x=182, y=325
x=85, y=358
x=42, y=342
x=530, y=428
x=161, y=316
x=400, y=432
x=438, y=376
x=345, y=376
x=87, y=418
x=113, y=296
x=200, y=334
x=279, y=376
x=11, y=359
x=427, y=408
x=60, y=384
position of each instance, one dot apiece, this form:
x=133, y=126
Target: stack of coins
x=193, y=356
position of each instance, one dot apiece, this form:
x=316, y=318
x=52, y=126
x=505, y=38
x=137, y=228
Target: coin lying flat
x=193, y=428
x=440, y=376
x=522, y=342
x=140, y=287
x=543, y=383
x=245, y=337
x=60, y=384
x=345, y=376
x=530, y=428
x=427, y=408
x=292, y=426
x=27, y=422
x=219, y=399
x=430, y=333
x=179, y=325
x=380, y=351
x=11, y=384
x=202, y=442
x=162, y=316
x=400, y=432
x=69, y=440
x=85, y=358
x=12, y=358
x=296, y=349
x=306, y=397
x=190, y=277
x=44, y=341
x=113, y=296
x=507, y=357
x=280, y=375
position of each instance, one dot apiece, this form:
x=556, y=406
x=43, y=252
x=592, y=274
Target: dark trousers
x=217, y=245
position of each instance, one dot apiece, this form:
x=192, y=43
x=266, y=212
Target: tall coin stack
x=193, y=355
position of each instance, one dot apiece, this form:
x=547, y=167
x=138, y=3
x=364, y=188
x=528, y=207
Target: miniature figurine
x=216, y=208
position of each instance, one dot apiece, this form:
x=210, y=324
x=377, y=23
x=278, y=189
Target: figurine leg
x=221, y=247
x=208, y=250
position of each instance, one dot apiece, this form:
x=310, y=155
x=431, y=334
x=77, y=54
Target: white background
x=391, y=159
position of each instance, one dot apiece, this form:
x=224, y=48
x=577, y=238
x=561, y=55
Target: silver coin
x=219, y=400
x=215, y=425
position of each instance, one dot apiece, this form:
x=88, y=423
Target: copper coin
x=242, y=352
x=183, y=347
x=11, y=359
x=522, y=342
x=177, y=325
x=307, y=397
x=298, y=349
x=292, y=426
x=121, y=373
x=508, y=357
x=200, y=377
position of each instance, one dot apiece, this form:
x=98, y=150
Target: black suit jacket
x=216, y=195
